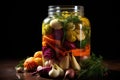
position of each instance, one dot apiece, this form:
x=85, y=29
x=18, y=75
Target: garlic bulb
x=54, y=72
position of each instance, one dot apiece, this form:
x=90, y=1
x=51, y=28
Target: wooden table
x=7, y=70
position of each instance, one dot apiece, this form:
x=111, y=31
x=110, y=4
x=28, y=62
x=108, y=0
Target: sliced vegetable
x=51, y=40
x=81, y=52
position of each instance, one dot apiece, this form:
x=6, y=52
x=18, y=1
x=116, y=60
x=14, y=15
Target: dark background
x=25, y=19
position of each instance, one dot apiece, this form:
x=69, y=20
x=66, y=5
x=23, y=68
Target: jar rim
x=66, y=7
x=79, y=9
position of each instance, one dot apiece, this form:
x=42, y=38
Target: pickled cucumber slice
x=55, y=24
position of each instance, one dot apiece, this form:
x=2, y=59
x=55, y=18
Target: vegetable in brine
x=55, y=24
x=48, y=53
x=71, y=36
x=58, y=34
x=46, y=29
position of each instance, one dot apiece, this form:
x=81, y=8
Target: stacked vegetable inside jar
x=65, y=31
x=65, y=36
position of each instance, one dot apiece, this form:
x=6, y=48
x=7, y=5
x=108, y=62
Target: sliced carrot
x=44, y=43
x=81, y=52
x=51, y=40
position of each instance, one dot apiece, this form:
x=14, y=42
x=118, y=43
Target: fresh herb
x=74, y=19
x=83, y=43
x=20, y=64
x=58, y=16
x=92, y=68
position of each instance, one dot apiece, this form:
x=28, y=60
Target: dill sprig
x=92, y=68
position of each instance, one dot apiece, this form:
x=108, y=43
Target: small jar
x=65, y=32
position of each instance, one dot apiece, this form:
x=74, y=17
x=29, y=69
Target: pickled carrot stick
x=44, y=43
x=51, y=40
x=81, y=52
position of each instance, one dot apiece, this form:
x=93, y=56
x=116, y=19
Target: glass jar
x=66, y=34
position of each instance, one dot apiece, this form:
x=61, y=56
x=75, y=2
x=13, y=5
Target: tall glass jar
x=66, y=34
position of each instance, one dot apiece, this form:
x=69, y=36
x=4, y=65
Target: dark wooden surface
x=7, y=71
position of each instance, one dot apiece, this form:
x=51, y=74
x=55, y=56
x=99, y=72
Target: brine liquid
x=65, y=34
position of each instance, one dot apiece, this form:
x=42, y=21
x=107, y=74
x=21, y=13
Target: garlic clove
x=60, y=69
x=74, y=63
x=54, y=72
x=47, y=63
x=64, y=63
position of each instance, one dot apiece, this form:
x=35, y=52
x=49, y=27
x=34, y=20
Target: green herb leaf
x=74, y=19
x=20, y=64
x=92, y=68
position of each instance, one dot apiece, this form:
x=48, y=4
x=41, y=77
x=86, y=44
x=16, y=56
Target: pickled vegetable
x=64, y=29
